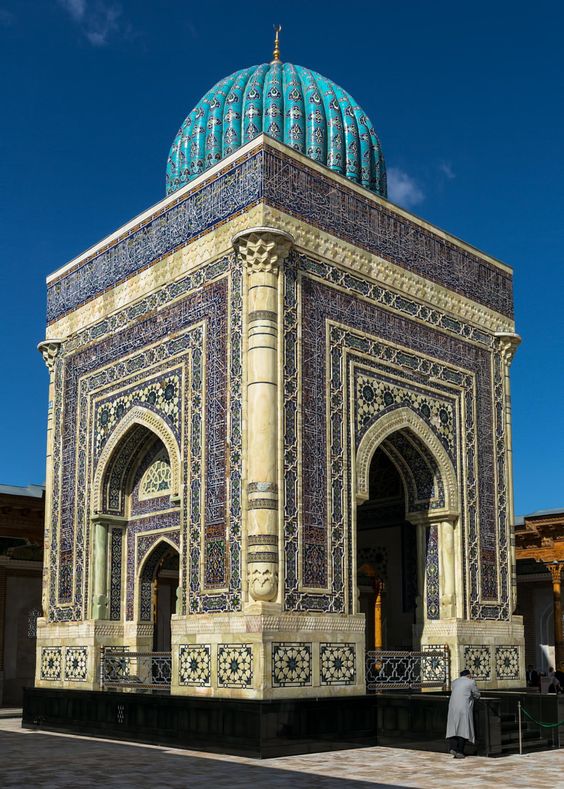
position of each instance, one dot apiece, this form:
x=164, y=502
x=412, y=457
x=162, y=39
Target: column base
x=493, y=651
x=255, y=655
x=68, y=653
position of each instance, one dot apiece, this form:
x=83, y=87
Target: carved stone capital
x=507, y=343
x=555, y=569
x=49, y=349
x=262, y=249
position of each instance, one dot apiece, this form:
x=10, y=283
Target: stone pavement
x=42, y=759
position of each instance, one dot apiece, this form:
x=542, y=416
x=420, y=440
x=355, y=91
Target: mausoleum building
x=279, y=425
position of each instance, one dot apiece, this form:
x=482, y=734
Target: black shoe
x=452, y=752
x=459, y=756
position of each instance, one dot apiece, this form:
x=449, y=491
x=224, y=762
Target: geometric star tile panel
x=477, y=659
x=291, y=665
x=76, y=663
x=234, y=665
x=194, y=665
x=507, y=662
x=337, y=664
x=375, y=395
x=161, y=395
x=51, y=662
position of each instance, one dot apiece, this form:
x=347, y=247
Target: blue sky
x=466, y=98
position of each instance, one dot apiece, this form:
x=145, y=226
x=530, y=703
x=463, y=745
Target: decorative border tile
x=223, y=195
x=337, y=663
x=477, y=659
x=76, y=663
x=291, y=665
x=336, y=208
x=194, y=665
x=234, y=665
x=507, y=662
x=51, y=663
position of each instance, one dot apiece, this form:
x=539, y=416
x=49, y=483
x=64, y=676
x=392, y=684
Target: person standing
x=460, y=721
x=533, y=678
x=554, y=686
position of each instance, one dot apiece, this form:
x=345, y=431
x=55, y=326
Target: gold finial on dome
x=276, y=55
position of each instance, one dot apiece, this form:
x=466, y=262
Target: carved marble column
x=100, y=600
x=262, y=251
x=507, y=343
x=555, y=569
x=447, y=559
x=50, y=350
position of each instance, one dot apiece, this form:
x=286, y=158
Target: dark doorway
x=165, y=587
x=387, y=559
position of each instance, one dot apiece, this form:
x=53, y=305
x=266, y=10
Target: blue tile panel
x=124, y=358
x=184, y=221
x=366, y=332
x=280, y=181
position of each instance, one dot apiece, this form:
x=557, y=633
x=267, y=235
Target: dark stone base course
x=265, y=729
x=259, y=729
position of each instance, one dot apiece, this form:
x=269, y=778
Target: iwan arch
x=253, y=384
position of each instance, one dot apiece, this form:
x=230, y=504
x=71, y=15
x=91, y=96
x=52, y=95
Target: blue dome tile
x=289, y=103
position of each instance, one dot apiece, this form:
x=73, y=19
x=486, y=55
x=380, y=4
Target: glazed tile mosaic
x=291, y=665
x=194, y=665
x=51, y=663
x=76, y=663
x=507, y=662
x=337, y=664
x=234, y=665
x=478, y=660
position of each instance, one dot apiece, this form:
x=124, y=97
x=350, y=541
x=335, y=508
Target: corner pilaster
x=507, y=344
x=50, y=350
x=262, y=251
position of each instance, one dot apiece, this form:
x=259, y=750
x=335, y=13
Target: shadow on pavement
x=38, y=759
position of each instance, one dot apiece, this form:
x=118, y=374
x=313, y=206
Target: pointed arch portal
x=408, y=503
x=137, y=473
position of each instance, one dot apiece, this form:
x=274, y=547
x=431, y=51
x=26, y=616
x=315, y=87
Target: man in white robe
x=460, y=722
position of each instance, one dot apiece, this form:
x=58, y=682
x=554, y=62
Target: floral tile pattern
x=234, y=665
x=507, y=662
x=477, y=659
x=338, y=664
x=76, y=667
x=51, y=663
x=291, y=665
x=194, y=665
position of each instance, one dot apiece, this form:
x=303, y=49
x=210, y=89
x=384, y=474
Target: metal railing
x=138, y=670
x=397, y=670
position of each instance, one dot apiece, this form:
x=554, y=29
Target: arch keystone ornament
x=262, y=251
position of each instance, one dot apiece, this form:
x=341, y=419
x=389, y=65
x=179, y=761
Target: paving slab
x=45, y=759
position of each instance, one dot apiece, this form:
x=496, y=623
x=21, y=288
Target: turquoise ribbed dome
x=289, y=103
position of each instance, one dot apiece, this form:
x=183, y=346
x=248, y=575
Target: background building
x=539, y=549
x=22, y=515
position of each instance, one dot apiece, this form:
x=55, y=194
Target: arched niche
x=405, y=421
x=136, y=428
